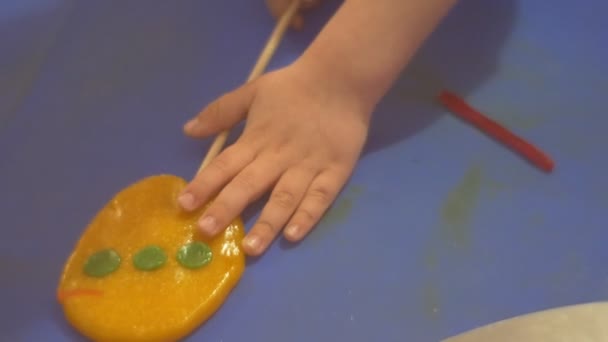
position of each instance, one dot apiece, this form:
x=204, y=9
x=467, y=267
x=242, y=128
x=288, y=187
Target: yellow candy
x=162, y=304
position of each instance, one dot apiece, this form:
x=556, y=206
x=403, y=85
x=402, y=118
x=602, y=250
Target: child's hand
x=277, y=7
x=303, y=136
x=307, y=123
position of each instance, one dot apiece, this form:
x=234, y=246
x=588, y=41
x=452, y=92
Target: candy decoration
x=154, y=297
x=102, y=263
x=194, y=255
x=149, y=258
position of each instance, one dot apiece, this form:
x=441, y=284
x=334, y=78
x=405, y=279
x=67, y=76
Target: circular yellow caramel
x=133, y=305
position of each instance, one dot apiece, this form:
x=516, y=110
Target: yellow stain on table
x=458, y=208
x=165, y=304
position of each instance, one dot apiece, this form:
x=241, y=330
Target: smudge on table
x=431, y=300
x=527, y=76
x=517, y=120
x=339, y=211
x=459, y=206
x=570, y=275
x=455, y=231
x=431, y=258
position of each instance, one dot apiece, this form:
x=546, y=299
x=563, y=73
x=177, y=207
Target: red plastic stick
x=460, y=108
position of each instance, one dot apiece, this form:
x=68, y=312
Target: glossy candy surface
x=159, y=300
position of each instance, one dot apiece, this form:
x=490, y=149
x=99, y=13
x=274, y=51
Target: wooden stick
x=258, y=69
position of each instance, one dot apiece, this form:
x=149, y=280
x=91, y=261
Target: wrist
x=366, y=45
x=339, y=80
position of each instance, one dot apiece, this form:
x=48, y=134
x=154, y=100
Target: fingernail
x=253, y=242
x=190, y=125
x=292, y=231
x=208, y=225
x=186, y=200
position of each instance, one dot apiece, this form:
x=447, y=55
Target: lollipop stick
x=258, y=69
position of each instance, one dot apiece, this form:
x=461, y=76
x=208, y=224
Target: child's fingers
x=247, y=186
x=221, y=114
x=215, y=175
x=321, y=193
x=283, y=201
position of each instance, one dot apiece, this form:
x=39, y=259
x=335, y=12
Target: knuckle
x=284, y=199
x=221, y=164
x=321, y=194
x=307, y=216
x=308, y=166
x=197, y=187
x=200, y=187
x=218, y=208
x=281, y=148
x=266, y=228
x=246, y=182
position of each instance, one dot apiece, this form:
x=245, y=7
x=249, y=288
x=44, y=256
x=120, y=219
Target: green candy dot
x=102, y=263
x=149, y=258
x=194, y=255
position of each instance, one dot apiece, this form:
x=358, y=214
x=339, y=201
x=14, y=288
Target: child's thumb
x=221, y=114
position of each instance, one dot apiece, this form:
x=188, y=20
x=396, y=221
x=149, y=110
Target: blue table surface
x=440, y=230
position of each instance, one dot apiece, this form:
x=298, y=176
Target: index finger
x=217, y=174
